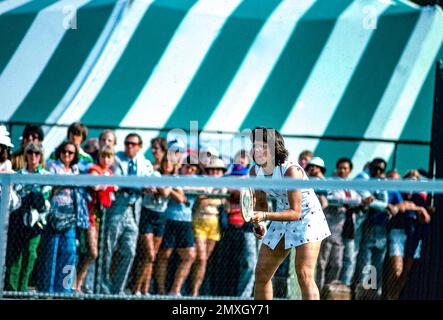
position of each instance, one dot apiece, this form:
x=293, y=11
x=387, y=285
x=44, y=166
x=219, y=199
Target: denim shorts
x=397, y=241
x=413, y=242
x=178, y=234
x=152, y=222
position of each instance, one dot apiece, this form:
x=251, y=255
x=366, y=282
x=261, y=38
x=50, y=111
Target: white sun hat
x=4, y=137
x=317, y=161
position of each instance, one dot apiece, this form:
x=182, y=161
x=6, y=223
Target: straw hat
x=216, y=163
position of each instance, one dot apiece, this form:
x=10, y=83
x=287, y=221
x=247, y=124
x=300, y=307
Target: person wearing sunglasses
x=340, y=205
x=77, y=134
x=30, y=134
x=68, y=213
x=26, y=224
x=122, y=219
x=370, y=232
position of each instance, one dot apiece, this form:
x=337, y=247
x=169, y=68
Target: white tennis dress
x=312, y=225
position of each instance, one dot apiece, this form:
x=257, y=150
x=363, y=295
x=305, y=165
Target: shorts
x=413, y=242
x=207, y=228
x=397, y=241
x=178, y=234
x=152, y=222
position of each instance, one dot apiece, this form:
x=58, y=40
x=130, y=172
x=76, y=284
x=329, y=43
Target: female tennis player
x=298, y=222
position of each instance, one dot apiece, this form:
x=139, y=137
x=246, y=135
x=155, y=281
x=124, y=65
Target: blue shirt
x=181, y=211
x=378, y=215
x=394, y=197
x=398, y=221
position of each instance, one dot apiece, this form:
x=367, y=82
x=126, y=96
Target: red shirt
x=234, y=214
x=103, y=196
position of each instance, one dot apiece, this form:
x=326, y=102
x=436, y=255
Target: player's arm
x=260, y=199
x=294, y=199
x=260, y=203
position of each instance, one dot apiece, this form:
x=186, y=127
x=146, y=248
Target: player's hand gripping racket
x=247, y=207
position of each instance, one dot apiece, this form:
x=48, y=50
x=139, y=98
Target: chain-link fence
x=70, y=240
x=83, y=237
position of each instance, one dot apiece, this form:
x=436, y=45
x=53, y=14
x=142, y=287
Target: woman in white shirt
x=298, y=221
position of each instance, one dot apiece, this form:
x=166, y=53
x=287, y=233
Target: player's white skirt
x=311, y=227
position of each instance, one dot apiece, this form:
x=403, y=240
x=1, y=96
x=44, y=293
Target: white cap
x=317, y=161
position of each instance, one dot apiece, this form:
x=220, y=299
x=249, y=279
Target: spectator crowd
x=188, y=241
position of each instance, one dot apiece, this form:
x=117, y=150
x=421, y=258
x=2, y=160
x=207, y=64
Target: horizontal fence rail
x=435, y=186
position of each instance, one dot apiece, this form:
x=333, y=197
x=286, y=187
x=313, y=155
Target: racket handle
x=257, y=230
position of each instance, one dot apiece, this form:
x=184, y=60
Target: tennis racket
x=247, y=204
x=247, y=208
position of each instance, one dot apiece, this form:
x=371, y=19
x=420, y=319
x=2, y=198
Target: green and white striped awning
x=362, y=68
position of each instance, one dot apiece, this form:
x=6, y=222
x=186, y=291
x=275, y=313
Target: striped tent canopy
x=362, y=68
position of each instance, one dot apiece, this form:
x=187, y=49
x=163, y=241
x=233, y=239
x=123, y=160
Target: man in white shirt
x=121, y=223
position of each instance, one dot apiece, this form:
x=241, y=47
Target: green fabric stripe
x=418, y=127
x=136, y=65
x=64, y=65
x=216, y=71
x=410, y=157
x=13, y=27
x=293, y=68
x=367, y=85
x=220, y=65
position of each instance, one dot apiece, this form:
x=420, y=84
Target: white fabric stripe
x=178, y=65
x=331, y=75
x=32, y=55
x=10, y=5
x=55, y=135
x=257, y=65
x=100, y=73
x=401, y=93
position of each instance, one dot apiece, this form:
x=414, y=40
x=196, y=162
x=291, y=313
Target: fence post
x=5, y=181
